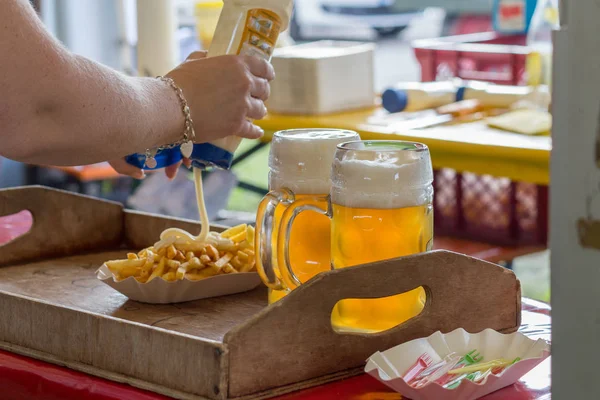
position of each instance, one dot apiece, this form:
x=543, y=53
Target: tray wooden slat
x=160, y=357
x=61, y=223
x=461, y=292
x=71, y=282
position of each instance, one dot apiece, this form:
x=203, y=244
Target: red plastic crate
x=484, y=56
x=471, y=23
x=482, y=207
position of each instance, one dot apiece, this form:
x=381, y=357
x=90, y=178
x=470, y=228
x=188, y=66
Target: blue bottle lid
x=460, y=93
x=394, y=100
x=208, y=155
x=164, y=158
x=204, y=155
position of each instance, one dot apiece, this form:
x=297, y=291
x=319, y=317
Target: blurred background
x=106, y=31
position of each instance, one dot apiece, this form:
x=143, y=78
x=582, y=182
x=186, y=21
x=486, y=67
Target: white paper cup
x=389, y=366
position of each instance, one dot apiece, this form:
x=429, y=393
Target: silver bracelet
x=186, y=144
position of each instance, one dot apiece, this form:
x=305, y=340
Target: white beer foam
x=300, y=160
x=382, y=180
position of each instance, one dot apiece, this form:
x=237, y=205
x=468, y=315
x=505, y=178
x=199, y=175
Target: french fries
x=173, y=259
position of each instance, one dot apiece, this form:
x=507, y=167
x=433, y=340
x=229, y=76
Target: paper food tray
x=390, y=365
x=159, y=291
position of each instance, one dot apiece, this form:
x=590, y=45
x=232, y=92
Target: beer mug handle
x=285, y=231
x=263, y=238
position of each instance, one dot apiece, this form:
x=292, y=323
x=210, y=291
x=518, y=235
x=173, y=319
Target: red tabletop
x=23, y=378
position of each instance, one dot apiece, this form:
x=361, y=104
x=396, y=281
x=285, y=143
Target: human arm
x=59, y=108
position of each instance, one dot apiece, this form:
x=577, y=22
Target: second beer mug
x=300, y=167
x=380, y=207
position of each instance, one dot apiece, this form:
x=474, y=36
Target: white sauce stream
x=176, y=235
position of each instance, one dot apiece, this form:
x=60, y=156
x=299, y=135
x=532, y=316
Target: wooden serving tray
x=232, y=347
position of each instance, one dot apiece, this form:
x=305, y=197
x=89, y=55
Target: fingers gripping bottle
x=245, y=27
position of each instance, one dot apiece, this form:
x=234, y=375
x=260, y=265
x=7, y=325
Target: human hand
x=224, y=93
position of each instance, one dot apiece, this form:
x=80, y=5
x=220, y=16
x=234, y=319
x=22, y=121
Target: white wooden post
x=157, y=40
x=575, y=204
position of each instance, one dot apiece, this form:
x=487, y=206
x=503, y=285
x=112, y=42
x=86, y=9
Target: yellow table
x=470, y=147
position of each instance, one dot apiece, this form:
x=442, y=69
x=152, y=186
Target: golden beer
x=364, y=235
x=309, y=246
x=380, y=207
x=381, y=199
x=300, y=167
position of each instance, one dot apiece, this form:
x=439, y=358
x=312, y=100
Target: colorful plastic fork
x=482, y=375
x=438, y=374
x=456, y=382
x=483, y=366
x=478, y=376
x=447, y=362
x=422, y=362
x=472, y=357
x=450, y=358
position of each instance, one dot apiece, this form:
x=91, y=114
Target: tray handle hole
x=14, y=226
x=375, y=315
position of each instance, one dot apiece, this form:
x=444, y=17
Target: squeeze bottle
x=504, y=96
x=415, y=96
x=246, y=27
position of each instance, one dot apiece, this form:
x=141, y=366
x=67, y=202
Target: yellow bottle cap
x=533, y=68
x=203, y=5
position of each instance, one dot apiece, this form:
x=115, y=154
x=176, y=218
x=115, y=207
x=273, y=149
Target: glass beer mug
x=380, y=207
x=300, y=168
